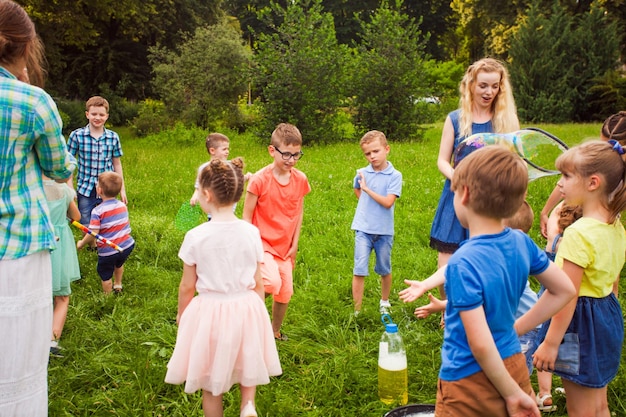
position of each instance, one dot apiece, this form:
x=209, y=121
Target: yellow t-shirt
x=599, y=249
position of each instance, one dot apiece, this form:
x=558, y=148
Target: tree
x=202, y=81
x=106, y=42
x=389, y=76
x=551, y=84
x=300, y=71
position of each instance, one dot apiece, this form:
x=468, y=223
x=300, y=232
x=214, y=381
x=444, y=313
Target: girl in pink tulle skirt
x=225, y=335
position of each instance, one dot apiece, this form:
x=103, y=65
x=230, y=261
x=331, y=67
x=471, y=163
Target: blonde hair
x=373, y=135
x=504, y=113
x=97, y=101
x=522, y=219
x=286, y=134
x=213, y=140
x=111, y=183
x=496, y=180
x=224, y=179
x=599, y=158
x=18, y=40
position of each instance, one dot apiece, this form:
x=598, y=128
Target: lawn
x=117, y=347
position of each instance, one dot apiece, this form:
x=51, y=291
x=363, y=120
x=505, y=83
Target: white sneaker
x=249, y=411
x=384, y=307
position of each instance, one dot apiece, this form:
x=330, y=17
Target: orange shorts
x=476, y=395
x=277, y=277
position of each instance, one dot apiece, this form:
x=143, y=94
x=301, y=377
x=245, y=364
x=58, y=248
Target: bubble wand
x=102, y=239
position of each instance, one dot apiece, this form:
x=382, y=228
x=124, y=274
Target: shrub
x=151, y=118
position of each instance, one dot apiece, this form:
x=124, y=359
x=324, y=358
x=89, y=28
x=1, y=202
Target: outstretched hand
x=434, y=306
x=416, y=290
x=522, y=405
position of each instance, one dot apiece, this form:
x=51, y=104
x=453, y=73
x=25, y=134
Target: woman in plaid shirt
x=31, y=143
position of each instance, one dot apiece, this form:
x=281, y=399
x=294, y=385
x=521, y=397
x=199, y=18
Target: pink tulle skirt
x=222, y=340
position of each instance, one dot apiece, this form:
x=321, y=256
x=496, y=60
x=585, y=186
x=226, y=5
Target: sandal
x=117, y=289
x=281, y=336
x=541, y=403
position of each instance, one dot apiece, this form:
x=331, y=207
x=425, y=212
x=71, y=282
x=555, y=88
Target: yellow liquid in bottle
x=392, y=382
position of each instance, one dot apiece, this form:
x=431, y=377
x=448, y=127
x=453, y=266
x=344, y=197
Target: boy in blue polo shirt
x=97, y=150
x=377, y=186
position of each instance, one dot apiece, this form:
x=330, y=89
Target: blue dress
x=446, y=233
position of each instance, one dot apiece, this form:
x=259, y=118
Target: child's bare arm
x=73, y=212
x=293, y=250
x=249, y=205
x=486, y=353
x=117, y=167
x=418, y=288
x=194, y=197
x=258, y=280
x=86, y=240
x=551, y=202
x=435, y=306
x=558, y=303
x=186, y=289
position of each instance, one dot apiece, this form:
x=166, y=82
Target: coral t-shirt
x=278, y=208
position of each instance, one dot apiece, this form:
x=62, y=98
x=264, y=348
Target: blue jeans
x=86, y=203
x=363, y=245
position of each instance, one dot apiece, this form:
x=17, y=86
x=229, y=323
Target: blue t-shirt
x=489, y=271
x=371, y=217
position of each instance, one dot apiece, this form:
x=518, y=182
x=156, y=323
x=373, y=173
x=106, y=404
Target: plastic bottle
x=392, y=368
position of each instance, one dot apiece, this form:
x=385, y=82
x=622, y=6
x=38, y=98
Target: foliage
x=202, y=82
x=300, y=70
x=389, y=74
x=116, y=348
x=107, y=41
x=551, y=83
x=151, y=118
x=608, y=94
x=75, y=111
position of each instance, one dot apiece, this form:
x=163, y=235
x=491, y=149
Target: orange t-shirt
x=278, y=208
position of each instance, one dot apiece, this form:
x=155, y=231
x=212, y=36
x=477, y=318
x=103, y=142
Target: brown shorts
x=476, y=395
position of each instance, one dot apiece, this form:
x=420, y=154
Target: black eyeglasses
x=286, y=155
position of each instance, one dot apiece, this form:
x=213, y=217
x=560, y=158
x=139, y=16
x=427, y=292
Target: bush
x=74, y=111
x=151, y=118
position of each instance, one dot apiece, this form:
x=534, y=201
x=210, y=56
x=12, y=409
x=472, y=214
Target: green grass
x=117, y=348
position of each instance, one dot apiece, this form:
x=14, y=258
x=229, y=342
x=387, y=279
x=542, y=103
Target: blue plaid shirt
x=94, y=155
x=31, y=142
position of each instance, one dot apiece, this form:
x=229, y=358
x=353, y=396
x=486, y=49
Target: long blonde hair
x=504, y=113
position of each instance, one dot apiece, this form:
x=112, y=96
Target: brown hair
x=614, y=127
x=373, y=135
x=600, y=158
x=224, y=179
x=213, y=140
x=496, y=180
x=286, y=134
x=567, y=215
x=111, y=183
x=97, y=101
x=18, y=40
x=522, y=219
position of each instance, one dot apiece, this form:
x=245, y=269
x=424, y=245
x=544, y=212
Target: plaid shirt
x=31, y=142
x=94, y=155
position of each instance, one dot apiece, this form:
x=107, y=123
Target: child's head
x=97, y=101
x=614, y=127
x=286, y=134
x=375, y=148
x=568, y=215
x=19, y=43
x=495, y=180
x=218, y=146
x=594, y=166
x=522, y=219
x=110, y=184
x=224, y=180
x=487, y=77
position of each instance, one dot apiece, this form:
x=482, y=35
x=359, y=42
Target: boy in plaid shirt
x=97, y=150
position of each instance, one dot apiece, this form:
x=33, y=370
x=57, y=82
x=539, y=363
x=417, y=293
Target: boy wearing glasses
x=274, y=204
x=376, y=186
